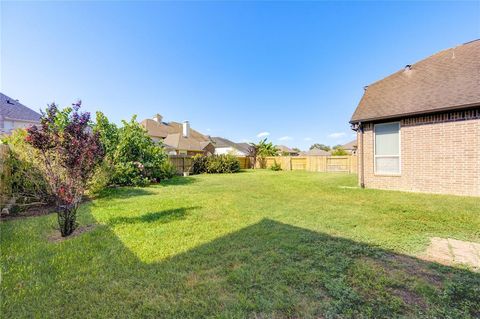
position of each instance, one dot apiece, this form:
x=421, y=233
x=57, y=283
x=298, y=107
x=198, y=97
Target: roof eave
x=397, y=116
x=21, y=120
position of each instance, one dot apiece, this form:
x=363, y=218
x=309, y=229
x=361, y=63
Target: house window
x=387, y=148
x=8, y=126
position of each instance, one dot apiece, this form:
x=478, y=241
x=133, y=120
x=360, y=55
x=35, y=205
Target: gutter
x=419, y=113
x=362, y=170
x=358, y=127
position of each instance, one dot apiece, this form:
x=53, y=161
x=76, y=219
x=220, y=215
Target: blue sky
x=294, y=70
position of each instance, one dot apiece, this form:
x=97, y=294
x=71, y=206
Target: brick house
x=14, y=115
x=178, y=138
x=419, y=128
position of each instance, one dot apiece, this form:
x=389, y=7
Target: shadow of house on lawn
x=123, y=192
x=164, y=216
x=177, y=181
x=266, y=270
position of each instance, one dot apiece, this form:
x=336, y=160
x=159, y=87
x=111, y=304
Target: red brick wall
x=439, y=154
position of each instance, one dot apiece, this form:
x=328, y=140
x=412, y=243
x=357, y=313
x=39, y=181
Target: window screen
x=387, y=148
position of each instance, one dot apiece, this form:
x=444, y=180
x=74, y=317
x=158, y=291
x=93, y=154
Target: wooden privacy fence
x=183, y=163
x=346, y=164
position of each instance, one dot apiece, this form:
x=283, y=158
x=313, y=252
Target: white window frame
x=8, y=125
x=399, y=150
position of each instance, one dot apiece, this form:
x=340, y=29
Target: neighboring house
x=225, y=146
x=286, y=151
x=178, y=138
x=316, y=152
x=350, y=147
x=15, y=115
x=419, y=128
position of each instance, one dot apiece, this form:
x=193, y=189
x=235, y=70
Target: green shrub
x=167, y=170
x=215, y=164
x=135, y=159
x=129, y=174
x=25, y=179
x=276, y=166
x=339, y=151
x=199, y=164
x=102, y=177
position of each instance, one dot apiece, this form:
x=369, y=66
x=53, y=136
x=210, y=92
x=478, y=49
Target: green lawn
x=257, y=244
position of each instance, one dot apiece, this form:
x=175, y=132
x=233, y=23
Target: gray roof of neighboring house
x=286, y=149
x=244, y=147
x=14, y=110
x=444, y=81
x=317, y=152
x=352, y=145
x=223, y=142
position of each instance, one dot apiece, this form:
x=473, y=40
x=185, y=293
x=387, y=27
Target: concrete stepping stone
x=450, y=251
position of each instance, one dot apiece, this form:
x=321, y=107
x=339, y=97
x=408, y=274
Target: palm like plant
x=262, y=150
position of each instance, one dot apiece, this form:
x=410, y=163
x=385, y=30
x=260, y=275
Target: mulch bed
x=57, y=237
x=35, y=211
x=31, y=212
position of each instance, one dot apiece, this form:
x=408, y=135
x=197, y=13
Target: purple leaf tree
x=70, y=152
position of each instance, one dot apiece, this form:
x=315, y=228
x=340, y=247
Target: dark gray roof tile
x=14, y=110
x=449, y=79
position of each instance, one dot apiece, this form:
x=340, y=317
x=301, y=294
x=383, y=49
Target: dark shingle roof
x=12, y=109
x=352, y=145
x=223, y=142
x=449, y=79
x=317, y=152
x=244, y=147
x=285, y=149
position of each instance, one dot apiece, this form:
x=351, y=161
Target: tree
x=132, y=157
x=266, y=149
x=137, y=159
x=253, y=152
x=324, y=147
x=70, y=152
x=262, y=150
x=108, y=134
x=339, y=151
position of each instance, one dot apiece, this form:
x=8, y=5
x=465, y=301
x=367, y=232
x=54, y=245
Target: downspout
x=362, y=170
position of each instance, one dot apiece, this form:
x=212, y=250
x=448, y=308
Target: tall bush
x=199, y=164
x=339, y=151
x=131, y=155
x=136, y=155
x=25, y=179
x=262, y=150
x=70, y=153
x=215, y=164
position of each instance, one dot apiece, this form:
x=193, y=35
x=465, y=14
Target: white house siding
x=228, y=150
x=10, y=125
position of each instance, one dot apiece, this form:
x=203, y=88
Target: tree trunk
x=67, y=219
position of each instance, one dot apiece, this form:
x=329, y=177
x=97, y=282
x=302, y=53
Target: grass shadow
x=177, y=181
x=164, y=216
x=123, y=192
x=266, y=270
